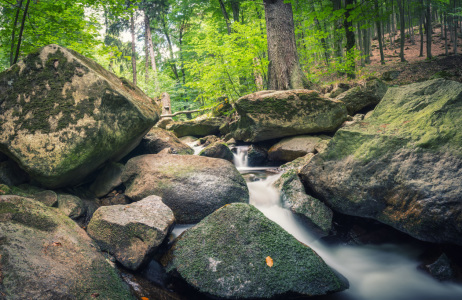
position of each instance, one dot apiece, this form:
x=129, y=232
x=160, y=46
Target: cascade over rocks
x=268, y=115
x=192, y=186
x=132, y=232
x=63, y=116
x=237, y=252
x=402, y=165
x=45, y=255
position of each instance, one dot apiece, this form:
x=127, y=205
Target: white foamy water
x=385, y=272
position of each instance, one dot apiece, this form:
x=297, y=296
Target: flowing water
x=384, y=272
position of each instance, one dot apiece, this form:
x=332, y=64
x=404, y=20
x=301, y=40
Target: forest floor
x=416, y=68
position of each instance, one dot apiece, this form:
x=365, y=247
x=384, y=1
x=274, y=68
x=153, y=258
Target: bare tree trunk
x=422, y=16
x=170, y=49
x=13, y=33
x=235, y=6
x=429, y=31
x=402, y=29
x=456, y=38
x=225, y=14
x=338, y=38
x=147, y=24
x=165, y=104
x=21, y=32
x=350, y=40
x=446, y=50
x=284, y=68
x=132, y=30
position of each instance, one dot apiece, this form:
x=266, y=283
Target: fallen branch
x=184, y=112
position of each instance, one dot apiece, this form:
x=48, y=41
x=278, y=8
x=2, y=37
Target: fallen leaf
x=144, y=298
x=269, y=261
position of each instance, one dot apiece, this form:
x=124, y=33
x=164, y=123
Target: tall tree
x=132, y=31
x=350, y=39
x=402, y=29
x=284, y=69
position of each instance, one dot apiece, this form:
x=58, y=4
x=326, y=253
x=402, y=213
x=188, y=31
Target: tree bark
x=132, y=30
x=170, y=48
x=402, y=29
x=379, y=33
x=13, y=33
x=284, y=68
x=422, y=16
x=152, y=57
x=429, y=30
x=350, y=40
x=338, y=38
x=235, y=6
x=225, y=15
x=21, y=32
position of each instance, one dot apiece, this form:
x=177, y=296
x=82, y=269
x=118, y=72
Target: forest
x=200, y=51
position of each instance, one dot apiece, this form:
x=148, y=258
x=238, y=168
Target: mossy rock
x=159, y=139
x=218, y=150
x=196, y=127
x=401, y=165
x=363, y=97
x=237, y=252
x=63, y=115
x=268, y=115
x=45, y=255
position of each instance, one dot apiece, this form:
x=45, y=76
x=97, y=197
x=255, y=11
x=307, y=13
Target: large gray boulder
x=196, y=127
x=192, y=186
x=218, y=150
x=63, y=116
x=365, y=96
x=401, y=165
x=237, y=252
x=268, y=115
x=292, y=148
x=132, y=232
x=45, y=255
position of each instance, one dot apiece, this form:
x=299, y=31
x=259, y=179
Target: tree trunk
x=21, y=32
x=456, y=39
x=402, y=29
x=350, y=40
x=13, y=33
x=147, y=24
x=132, y=31
x=379, y=32
x=422, y=16
x=235, y=6
x=170, y=49
x=446, y=50
x=429, y=30
x=338, y=38
x=225, y=14
x=284, y=68
x=323, y=40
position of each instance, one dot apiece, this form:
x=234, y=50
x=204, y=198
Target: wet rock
x=208, y=140
x=131, y=232
x=361, y=97
x=268, y=115
x=45, y=255
x=315, y=213
x=256, y=156
x=107, y=179
x=441, y=269
x=192, y=186
x=196, y=127
x=63, y=116
x=248, y=256
x=401, y=165
x=218, y=150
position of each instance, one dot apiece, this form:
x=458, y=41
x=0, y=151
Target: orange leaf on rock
x=269, y=261
x=144, y=298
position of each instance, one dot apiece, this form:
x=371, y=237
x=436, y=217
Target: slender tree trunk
x=284, y=68
x=13, y=33
x=170, y=49
x=323, y=40
x=132, y=31
x=338, y=38
x=429, y=31
x=225, y=14
x=402, y=29
x=421, y=20
x=147, y=24
x=21, y=32
x=456, y=38
x=235, y=6
x=350, y=40
x=446, y=50
x=146, y=59
x=379, y=32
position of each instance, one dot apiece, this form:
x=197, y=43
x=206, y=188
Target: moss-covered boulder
x=311, y=210
x=63, y=115
x=197, y=127
x=218, y=150
x=45, y=255
x=192, y=186
x=268, y=115
x=237, y=252
x=159, y=139
x=292, y=148
x=401, y=165
x=132, y=232
x=365, y=96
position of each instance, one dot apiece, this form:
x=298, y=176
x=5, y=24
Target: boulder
x=218, y=150
x=291, y=148
x=256, y=156
x=63, y=116
x=192, y=186
x=188, y=140
x=159, y=139
x=196, y=127
x=71, y=206
x=312, y=211
x=402, y=165
x=268, y=115
x=45, y=255
x=107, y=180
x=442, y=269
x=164, y=122
x=131, y=232
x=207, y=140
x=237, y=253
x=363, y=97
x=47, y=197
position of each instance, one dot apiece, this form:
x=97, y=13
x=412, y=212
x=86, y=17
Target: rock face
x=159, y=139
x=292, y=148
x=45, y=255
x=196, y=127
x=314, y=212
x=131, y=232
x=11, y=174
x=63, y=115
x=192, y=186
x=108, y=179
x=402, y=165
x=218, y=150
x=268, y=115
x=361, y=97
x=237, y=252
